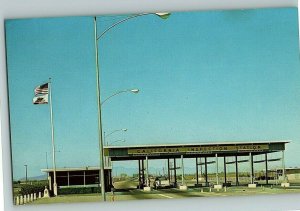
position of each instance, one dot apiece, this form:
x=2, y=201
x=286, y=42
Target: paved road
x=134, y=194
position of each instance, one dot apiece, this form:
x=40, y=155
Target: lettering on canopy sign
x=198, y=149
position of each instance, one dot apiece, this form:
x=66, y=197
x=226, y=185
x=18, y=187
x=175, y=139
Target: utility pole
x=26, y=173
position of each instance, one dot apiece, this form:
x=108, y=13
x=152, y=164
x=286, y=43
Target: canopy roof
x=193, y=150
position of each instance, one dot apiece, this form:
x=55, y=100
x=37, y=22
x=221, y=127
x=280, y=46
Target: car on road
x=161, y=182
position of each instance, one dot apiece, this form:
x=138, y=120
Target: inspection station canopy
x=193, y=150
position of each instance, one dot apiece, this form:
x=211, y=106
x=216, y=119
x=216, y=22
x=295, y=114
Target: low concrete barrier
x=285, y=184
x=218, y=187
x=25, y=199
x=147, y=189
x=252, y=185
x=182, y=187
x=21, y=200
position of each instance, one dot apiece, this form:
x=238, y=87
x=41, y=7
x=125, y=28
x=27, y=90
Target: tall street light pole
x=101, y=178
x=26, y=173
x=96, y=37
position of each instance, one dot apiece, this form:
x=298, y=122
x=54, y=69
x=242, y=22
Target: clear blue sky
x=204, y=77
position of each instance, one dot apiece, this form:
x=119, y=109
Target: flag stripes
x=42, y=89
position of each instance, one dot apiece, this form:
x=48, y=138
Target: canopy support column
x=236, y=171
x=197, y=176
x=147, y=172
x=251, y=168
x=175, y=179
x=266, y=162
x=182, y=171
x=225, y=178
x=169, y=177
x=206, y=175
x=217, y=169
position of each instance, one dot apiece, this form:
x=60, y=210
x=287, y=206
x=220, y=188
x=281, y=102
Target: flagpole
x=52, y=138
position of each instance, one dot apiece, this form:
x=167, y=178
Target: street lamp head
x=135, y=91
x=124, y=129
x=163, y=15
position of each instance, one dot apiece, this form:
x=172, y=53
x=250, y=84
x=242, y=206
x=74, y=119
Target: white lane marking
x=165, y=196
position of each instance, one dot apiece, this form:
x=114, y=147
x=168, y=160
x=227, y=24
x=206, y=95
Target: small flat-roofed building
x=79, y=177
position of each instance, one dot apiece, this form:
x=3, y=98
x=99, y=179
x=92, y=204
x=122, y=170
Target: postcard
x=154, y=105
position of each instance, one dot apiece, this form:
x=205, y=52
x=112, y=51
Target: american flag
x=42, y=99
x=42, y=89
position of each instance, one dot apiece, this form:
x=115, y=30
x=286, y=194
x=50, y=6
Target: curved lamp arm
x=135, y=91
x=163, y=15
x=121, y=140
